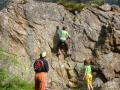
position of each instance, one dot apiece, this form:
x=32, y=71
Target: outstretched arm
x=84, y=76
x=68, y=36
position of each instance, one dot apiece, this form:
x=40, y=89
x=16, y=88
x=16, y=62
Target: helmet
x=43, y=54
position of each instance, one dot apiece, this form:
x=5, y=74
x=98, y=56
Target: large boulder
x=28, y=28
x=105, y=7
x=112, y=85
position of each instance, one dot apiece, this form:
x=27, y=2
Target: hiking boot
x=58, y=54
x=68, y=53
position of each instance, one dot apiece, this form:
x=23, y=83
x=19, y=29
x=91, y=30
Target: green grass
x=8, y=58
x=74, y=6
x=97, y=2
x=13, y=83
x=7, y=80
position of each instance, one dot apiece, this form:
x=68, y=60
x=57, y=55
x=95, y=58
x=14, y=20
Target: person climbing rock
x=88, y=74
x=63, y=39
x=41, y=68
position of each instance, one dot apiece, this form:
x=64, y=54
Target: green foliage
x=8, y=58
x=13, y=83
x=98, y=2
x=71, y=5
x=7, y=80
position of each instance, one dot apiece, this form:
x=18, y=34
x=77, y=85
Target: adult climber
x=41, y=68
x=63, y=38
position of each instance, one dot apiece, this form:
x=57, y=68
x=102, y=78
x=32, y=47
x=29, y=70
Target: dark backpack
x=38, y=65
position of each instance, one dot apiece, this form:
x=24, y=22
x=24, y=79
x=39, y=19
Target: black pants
x=60, y=43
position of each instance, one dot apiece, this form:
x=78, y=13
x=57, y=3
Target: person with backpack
x=41, y=68
x=63, y=37
x=88, y=75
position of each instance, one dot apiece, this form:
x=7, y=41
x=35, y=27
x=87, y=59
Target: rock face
x=28, y=27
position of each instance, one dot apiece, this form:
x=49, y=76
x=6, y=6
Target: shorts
x=89, y=79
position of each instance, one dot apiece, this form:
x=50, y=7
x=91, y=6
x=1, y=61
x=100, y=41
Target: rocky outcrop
x=112, y=85
x=28, y=27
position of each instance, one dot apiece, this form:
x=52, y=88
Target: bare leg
x=88, y=86
x=91, y=87
x=59, y=51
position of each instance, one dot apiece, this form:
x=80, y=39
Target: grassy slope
x=8, y=81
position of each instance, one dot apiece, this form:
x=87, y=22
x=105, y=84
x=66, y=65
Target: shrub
x=71, y=5
x=13, y=83
x=98, y=2
x=8, y=81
